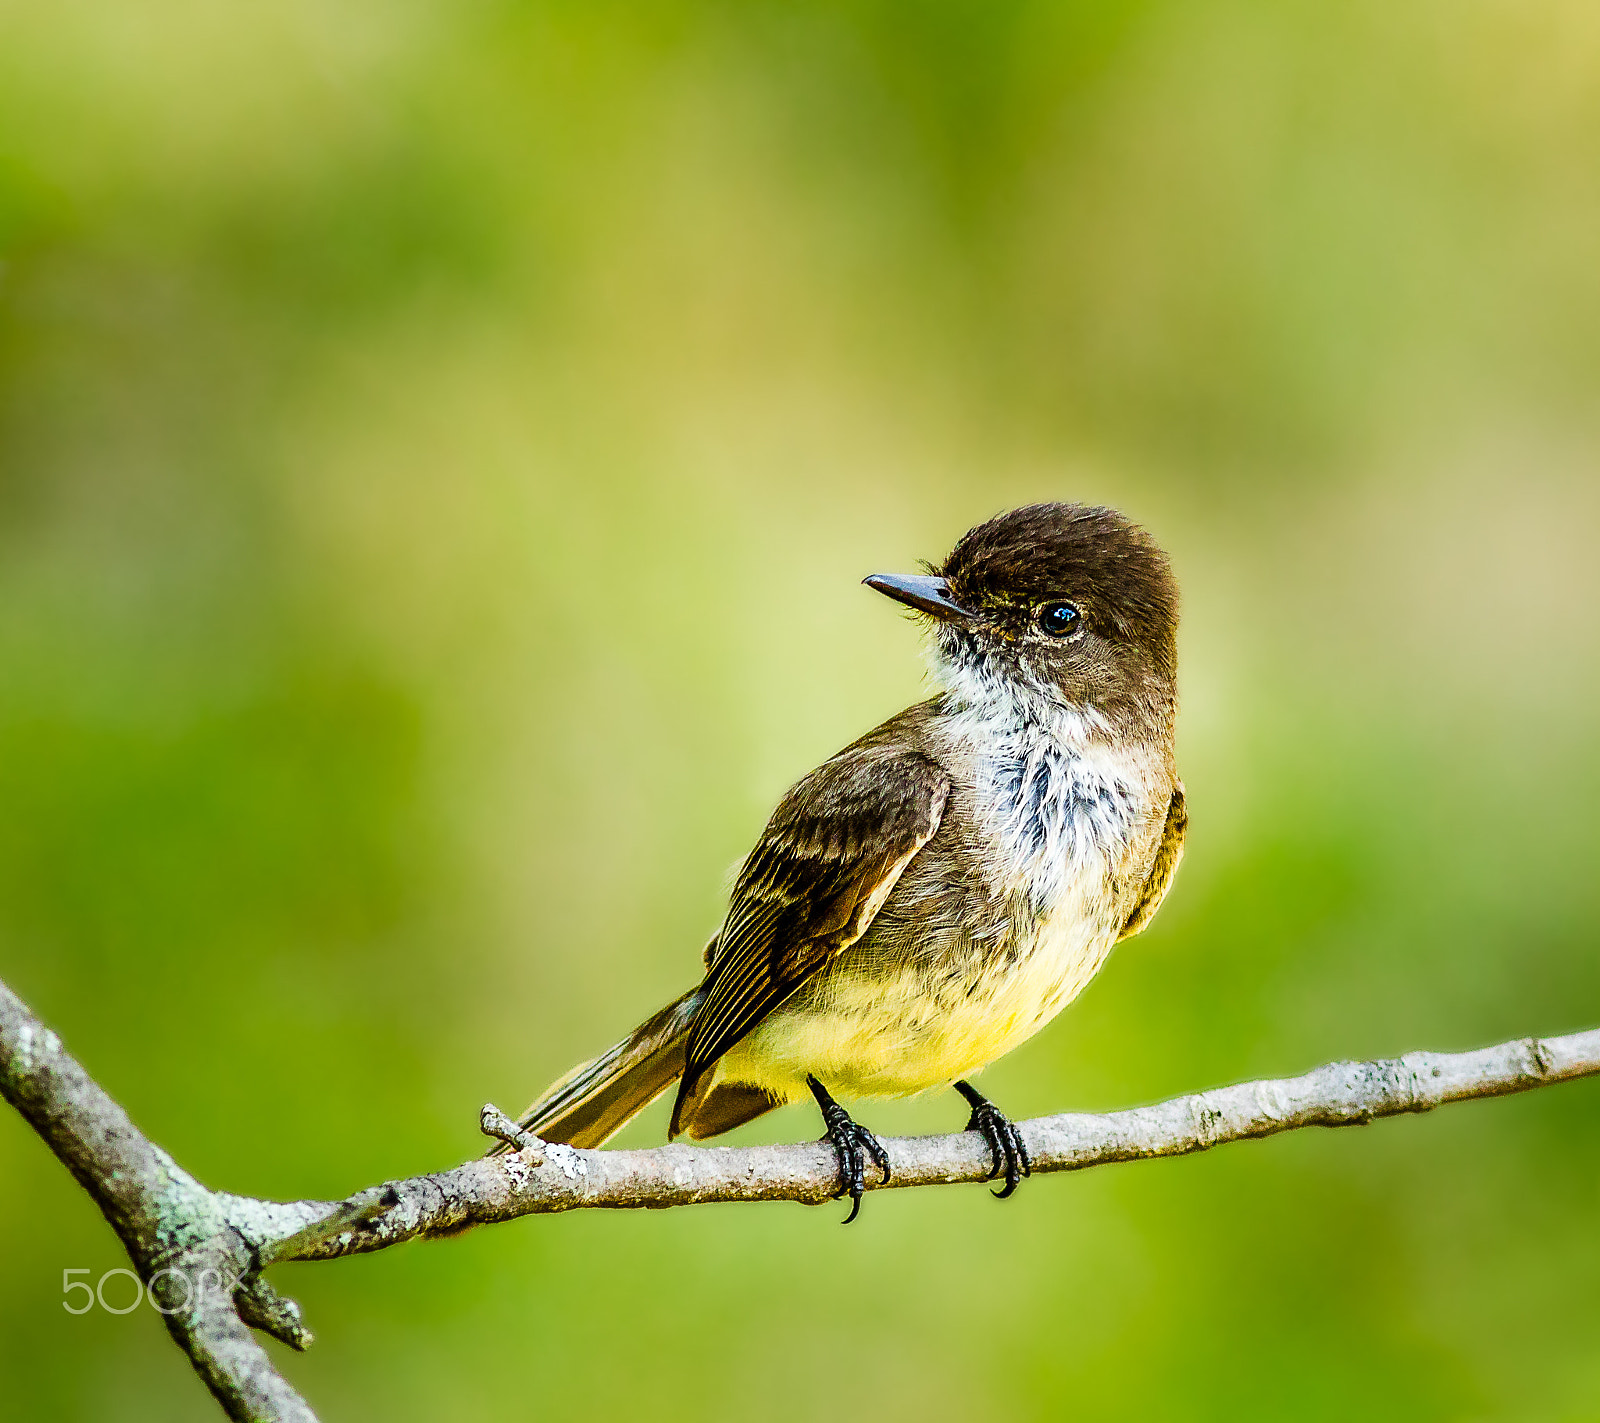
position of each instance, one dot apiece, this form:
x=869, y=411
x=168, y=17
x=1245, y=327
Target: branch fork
x=201, y=1253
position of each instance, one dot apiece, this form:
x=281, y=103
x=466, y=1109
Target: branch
x=172, y=1227
x=198, y=1267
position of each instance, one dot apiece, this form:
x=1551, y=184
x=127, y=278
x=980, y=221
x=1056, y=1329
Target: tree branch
x=175, y=1230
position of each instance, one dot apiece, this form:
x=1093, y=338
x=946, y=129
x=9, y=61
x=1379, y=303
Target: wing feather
x=1165, y=866
x=827, y=860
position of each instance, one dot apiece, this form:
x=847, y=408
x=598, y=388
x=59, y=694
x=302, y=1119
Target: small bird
x=937, y=892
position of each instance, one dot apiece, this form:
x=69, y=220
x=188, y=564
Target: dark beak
x=923, y=592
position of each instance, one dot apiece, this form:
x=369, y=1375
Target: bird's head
x=1050, y=605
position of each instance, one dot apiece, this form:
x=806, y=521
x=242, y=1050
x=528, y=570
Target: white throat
x=1056, y=795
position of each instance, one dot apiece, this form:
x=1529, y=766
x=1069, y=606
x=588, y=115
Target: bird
x=934, y=894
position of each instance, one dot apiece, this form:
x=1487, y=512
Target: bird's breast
x=1056, y=819
x=995, y=927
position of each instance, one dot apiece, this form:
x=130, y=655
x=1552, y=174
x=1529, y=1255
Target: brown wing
x=824, y=865
x=1168, y=853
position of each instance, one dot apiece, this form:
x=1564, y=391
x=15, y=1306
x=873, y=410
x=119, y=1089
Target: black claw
x=851, y=1145
x=1006, y=1146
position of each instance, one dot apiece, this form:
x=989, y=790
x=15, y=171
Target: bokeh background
x=439, y=447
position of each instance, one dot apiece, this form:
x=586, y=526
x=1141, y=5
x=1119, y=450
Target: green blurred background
x=439, y=447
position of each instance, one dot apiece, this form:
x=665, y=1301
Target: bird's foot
x=1006, y=1146
x=852, y=1144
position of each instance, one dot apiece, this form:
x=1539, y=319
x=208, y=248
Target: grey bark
x=177, y=1234
x=173, y=1228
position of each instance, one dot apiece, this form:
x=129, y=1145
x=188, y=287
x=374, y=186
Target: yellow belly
x=869, y=1035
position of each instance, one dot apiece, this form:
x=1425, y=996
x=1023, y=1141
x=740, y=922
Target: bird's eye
x=1059, y=619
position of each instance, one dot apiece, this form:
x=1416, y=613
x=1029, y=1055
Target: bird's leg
x=1010, y=1152
x=851, y=1144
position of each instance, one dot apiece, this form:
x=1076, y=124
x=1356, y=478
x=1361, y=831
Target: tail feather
x=598, y=1098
